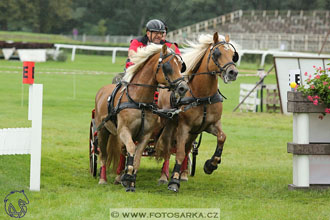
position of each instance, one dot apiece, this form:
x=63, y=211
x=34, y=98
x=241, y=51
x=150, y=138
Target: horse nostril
x=182, y=89
x=233, y=72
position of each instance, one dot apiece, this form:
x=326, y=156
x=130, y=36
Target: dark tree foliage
x=127, y=17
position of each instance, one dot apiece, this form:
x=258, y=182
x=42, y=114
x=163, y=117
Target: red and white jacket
x=143, y=42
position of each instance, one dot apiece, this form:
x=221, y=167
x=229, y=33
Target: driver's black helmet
x=156, y=25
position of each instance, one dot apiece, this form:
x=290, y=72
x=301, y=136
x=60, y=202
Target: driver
x=155, y=33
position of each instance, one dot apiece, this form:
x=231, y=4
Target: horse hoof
x=117, y=180
x=130, y=189
x=161, y=182
x=208, y=167
x=102, y=182
x=184, y=176
x=173, y=187
x=124, y=184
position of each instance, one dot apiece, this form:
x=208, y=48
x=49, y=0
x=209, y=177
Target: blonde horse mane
x=139, y=58
x=197, y=50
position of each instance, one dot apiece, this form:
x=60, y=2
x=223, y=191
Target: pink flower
x=327, y=110
x=316, y=97
x=329, y=69
x=324, y=83
x=320, y=68
x=312, y=87
x=314, y=66
x=329, y=87
x=310, y=98
x=315, y=102
x=306, y=73
x=317, y=76
x=310, y=76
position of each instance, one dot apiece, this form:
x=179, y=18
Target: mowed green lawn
x=251, y=182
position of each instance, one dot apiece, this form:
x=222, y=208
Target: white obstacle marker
x=27, y=140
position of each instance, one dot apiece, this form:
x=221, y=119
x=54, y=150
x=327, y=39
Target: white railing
x=115, y=39
x=241, y=52
x=95, y=48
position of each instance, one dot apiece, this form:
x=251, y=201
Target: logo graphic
x=15, y=204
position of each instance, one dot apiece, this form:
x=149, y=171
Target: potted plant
x=317, y=89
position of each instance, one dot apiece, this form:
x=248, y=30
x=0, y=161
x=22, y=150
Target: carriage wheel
x=193, y=165
x=92, y=152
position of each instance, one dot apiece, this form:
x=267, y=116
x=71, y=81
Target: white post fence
x=27, y=140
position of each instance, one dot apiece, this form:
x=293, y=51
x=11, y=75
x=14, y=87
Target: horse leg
x=139, y=151
x=129, y=177
x=182, y=137
x=163, y=147
x=212, y=164
x=120, y=168
x=165, y=171
x=103, y=136
x=184, y=168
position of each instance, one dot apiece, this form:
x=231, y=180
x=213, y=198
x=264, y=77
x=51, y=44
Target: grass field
x=251, y=182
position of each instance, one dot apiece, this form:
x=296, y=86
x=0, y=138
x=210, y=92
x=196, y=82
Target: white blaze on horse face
x=176, y=62
x=226, y=46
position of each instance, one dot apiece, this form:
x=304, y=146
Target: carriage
x=137, y=114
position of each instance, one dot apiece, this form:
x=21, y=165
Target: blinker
x=216, y=54
x=235, y=57
x=167, y=68
x=183, y=67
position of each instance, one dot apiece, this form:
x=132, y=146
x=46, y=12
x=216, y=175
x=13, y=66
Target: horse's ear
x=227, y=38
x=164, y=49
x=215, y=37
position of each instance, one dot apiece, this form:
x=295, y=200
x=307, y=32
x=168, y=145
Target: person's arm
x=131, y=50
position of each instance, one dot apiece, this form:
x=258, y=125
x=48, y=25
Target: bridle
x=215, y=54
x=167, y=69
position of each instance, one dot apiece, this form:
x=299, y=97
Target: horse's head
x=168, y=71
x=224, y=56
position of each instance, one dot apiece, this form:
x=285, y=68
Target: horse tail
x=114, y=146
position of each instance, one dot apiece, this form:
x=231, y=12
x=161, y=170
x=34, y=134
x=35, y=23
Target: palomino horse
x=123, y=112
x=202, y=106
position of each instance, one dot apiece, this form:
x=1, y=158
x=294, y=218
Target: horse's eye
x=167, y=68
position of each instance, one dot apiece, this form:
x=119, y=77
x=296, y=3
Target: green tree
x=9, y=12
x=102, y=29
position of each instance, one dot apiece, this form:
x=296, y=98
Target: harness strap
x=200, y=129
x=193, y=101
